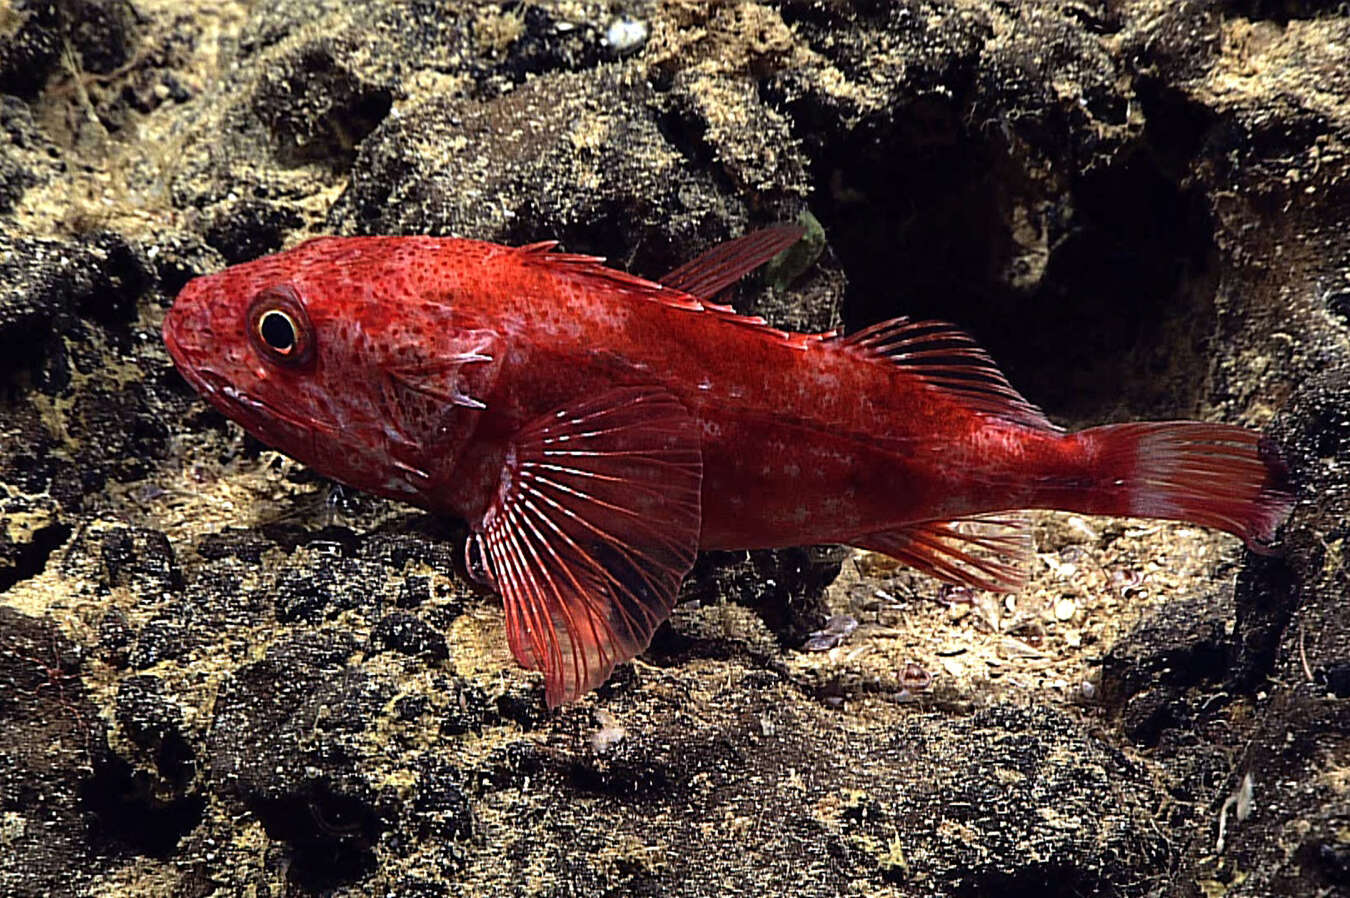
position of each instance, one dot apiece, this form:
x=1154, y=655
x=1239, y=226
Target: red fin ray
x=986, y=551
x=947, y=359
x=596, y=525
x=1214, y=475
x=694, y=279
x=708, y=274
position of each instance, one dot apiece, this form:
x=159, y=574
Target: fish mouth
x=265, y=420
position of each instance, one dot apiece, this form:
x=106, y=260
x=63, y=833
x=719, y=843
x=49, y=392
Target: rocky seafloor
x=221, y=676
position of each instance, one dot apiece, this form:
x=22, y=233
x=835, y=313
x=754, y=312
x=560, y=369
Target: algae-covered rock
x=221, y=674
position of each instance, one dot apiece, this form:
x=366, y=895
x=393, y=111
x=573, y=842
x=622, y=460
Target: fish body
x=595, y=429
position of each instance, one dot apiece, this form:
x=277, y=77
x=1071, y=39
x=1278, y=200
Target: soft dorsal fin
x=710, y=273
x=947, y=359
x=984, y=552
x=595, y=525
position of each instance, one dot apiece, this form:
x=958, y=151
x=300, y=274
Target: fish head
x=333, y=354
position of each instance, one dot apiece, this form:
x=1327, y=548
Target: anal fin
x=985, y=552
x=595, y=525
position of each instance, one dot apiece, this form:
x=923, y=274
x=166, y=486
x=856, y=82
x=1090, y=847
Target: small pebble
x=609, y=735
x=626, y=35
x=1082, y=527
x=914, y=678
x=1065, y=609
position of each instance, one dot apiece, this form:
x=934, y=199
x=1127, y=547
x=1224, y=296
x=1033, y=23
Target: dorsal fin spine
x=589, y=271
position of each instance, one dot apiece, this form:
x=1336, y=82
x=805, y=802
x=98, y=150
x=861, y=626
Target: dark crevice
x=131, y=818
x=1036, y=882
x=1338, y=304
x=1282, y=12
x=1176, y=127
x=1092, y=299
x=30, y=559
x=331, y=836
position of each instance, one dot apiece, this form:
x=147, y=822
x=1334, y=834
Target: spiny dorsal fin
x=947, y=359
x=590, y=271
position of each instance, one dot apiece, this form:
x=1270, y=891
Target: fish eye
x=279, y=328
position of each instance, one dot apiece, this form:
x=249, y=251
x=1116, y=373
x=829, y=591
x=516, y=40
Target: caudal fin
x=1215, y=475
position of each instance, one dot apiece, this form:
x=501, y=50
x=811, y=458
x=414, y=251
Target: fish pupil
x=277, y=331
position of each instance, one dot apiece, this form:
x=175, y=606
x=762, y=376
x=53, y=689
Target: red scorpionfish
x=596, y=429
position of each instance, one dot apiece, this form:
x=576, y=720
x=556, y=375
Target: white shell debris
x=837, y=629
x=609, y=735
x=625, y=35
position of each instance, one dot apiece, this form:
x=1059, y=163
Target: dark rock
x=1182, y=645
x=316, y=108
x=282, y=743
x=469, y=710
x=526, y=168
x=15, y=178
x=29, y=47
x=786, y=587
x=102, y=32
x=248, y=229
x=413, y=591
x=49, y=283
x=522, y=706
x=440, y=808
x=160, y=640
x=425, y=542
x=140, y=558
x=51, y=734
x=407, y=633
x=245, y=545
x=319, y=590
x=115, y=637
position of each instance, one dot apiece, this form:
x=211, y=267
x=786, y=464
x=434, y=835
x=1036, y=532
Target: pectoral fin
x=595, y=525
